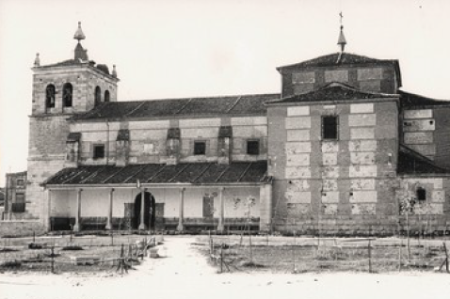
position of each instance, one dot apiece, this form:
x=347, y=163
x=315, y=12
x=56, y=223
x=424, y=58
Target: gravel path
x=182, y=272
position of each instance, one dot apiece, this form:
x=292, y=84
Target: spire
x=37, y=61
x=341, y=41
x=79, y=35
x=80, y=53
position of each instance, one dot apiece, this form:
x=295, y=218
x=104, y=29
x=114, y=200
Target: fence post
x=446, y=259
x=221, y=258
x=369, y=248
x=53, y=260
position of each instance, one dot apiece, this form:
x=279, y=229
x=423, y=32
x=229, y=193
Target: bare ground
x=183, y=272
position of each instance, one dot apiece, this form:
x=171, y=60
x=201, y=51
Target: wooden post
x=220, y=226
x=369, y=248
x=110, y=209
x=180, y=226
x=141, y=222
x=77, y=226
x=53, y=260
x=446, y=259
x=221, y=258
x=49, y=202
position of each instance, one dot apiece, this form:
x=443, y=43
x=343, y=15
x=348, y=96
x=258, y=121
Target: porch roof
x=188, y=173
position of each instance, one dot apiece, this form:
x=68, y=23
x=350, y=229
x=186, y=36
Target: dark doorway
x=149, y=211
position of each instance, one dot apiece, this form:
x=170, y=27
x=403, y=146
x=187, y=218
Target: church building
x=341, y=149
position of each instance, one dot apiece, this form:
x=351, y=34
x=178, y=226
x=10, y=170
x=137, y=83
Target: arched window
x=106, y=95
x=67, y=95
x=50, y=96
x=98, y=96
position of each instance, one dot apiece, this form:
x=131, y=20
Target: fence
x=297, y=255
x=70, y=253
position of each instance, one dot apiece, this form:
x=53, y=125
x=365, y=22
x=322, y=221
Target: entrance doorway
x=149, y=211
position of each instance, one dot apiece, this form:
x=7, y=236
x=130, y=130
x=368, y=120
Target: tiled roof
x=414, y=101
x=227, y=105
x=192, y=173
x=332, y=60
x=333, y=92
x=411, y=162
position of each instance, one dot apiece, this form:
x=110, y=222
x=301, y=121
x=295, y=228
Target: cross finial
x=342, y=16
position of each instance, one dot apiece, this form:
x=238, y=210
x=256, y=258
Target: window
x=19, y=205
x=252, y=147
x=421, y=194
x=97, y=96
x=67, y=95
x=19, y=182
x=99, y=151
x=330, y=127
x=106, y=95
x=50, y=93
x=199, y=148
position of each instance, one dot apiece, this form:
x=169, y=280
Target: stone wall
x=347, y=182
x=427, y=131
x=20, y=228
x=84, y=79
x=148, y=139
x=367, y=78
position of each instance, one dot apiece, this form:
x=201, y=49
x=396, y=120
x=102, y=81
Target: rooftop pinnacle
x=79, y=35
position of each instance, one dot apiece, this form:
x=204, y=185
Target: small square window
x=99, y=151
x=252, y=147
x=19, y=182
x=199, y=148
x=421, y=194
x=330, y=127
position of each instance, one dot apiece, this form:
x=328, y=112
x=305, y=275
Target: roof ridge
x=184, y=106
x=234, y=104
x=133, y=110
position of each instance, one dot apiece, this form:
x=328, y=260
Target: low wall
x=16, y=228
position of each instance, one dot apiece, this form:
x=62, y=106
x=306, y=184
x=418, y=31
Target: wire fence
x=298, y=255
x=68, y=253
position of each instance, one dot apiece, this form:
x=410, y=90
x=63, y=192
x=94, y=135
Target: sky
x=175, y=48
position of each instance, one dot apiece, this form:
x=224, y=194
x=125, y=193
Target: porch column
x=141, y=223
x=49, y=207
x=77, y=225
x=180, y=226
x=110, y=209
x=220, y=226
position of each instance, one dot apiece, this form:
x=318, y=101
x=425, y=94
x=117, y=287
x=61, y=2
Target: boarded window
x=199, y=148
x=304, y=77
x=208, y=206
x=330, y=127
x=252, y=147
x=421, y=194
x=99, y=151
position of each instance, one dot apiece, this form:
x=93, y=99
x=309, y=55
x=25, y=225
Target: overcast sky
x=166, y=49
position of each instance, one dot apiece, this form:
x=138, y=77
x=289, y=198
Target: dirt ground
x=183, y=272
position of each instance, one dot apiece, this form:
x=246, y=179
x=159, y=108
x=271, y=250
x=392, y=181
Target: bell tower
x=61, y=90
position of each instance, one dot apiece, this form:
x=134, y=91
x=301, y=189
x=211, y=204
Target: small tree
x=407, y=202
